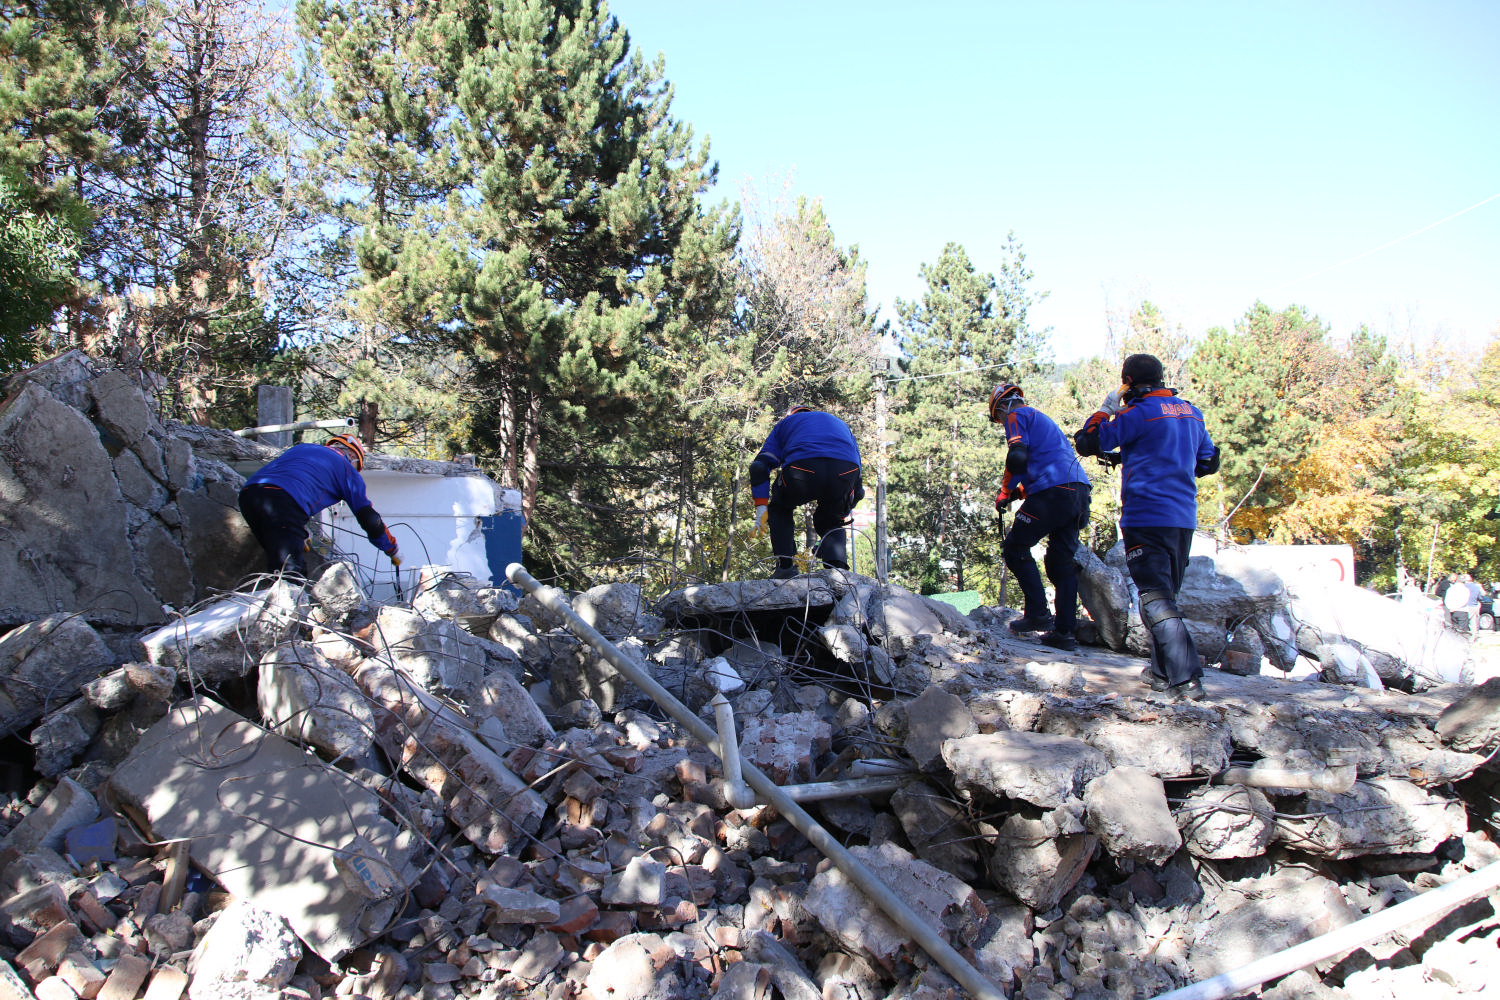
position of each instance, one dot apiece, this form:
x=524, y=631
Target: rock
x=1472, y=723
x=245, y=947
x=1379, y=816
x=305, y=698
x=1226, y=821
x=45, y=662
x=1036, y=865
x=1277, y=913
x=223, y=641
x=1044, y=770
x=931, y=719
x=947, y=904
x=1127, y=810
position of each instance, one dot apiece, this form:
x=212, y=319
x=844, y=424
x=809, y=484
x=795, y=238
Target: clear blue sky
x=1203, y=155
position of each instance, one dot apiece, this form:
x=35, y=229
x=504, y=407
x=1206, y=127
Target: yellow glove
x=760, y=519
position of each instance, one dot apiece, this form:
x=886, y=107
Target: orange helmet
x=351, y=446
x=998, y=406
x=799, y=409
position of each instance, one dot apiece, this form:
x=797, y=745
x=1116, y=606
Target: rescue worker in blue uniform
x=295, y=486
x=1163, y=448
x=819, y=463
x=1043, y=473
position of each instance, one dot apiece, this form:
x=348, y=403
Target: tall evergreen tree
x=967, y=333
x=71, y=76
x=518, y=192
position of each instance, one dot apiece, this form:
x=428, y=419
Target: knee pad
x=1158, y=606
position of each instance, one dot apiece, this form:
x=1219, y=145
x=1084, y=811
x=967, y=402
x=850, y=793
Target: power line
x=1383, y=246
x=958, y=371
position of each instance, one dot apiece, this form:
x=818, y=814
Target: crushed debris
x=279, y=791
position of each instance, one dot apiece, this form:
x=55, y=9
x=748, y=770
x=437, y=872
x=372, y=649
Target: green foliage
x=37, y=255
x=515, y=191
x=967, y=333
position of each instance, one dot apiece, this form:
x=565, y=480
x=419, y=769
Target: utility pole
x=882, y=367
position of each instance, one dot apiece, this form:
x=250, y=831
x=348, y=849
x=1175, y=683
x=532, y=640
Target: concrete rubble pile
x=301, y=792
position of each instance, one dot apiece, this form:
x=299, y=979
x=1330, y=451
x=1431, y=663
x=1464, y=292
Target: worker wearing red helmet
x=819, y=463
x=1043, y=473
x=297, y=485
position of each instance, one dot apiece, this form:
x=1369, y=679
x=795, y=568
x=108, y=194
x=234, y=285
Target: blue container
x=502, y=544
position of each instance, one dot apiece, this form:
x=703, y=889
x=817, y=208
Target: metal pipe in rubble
x=740, y=795
x=1334, y=779
x=302, y=425
x=868, y=882
x=1431, y=903
x=823, y=790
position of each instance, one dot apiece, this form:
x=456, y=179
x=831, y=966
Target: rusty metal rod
x=868, y=882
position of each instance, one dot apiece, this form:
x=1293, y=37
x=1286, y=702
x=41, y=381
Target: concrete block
x=68, y=805
x=258, y=817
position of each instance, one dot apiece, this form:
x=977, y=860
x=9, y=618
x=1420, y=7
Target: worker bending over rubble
x=1163, y=446
x=1043, y=473
x=297, y=485
x=819, y=463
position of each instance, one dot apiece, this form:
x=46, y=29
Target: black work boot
x=784, y=573
x=1065, y=641
x=1189, y=690
x=1156, y=680
x=1029, y=623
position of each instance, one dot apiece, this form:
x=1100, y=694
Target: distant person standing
x=818, y=463
x=1043, y=473
x=297, y=485
x=1164, y=448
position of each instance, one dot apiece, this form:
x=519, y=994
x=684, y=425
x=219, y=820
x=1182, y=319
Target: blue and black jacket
x=1164, y=447
x=1039, y=455
x=808, y=434
x=317, y=477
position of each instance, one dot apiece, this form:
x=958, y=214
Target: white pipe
x=896, y=908
x=1334, y=779
x=740, y=795
x=1345, y=939
x=302, y=425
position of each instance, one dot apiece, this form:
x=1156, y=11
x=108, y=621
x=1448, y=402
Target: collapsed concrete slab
x=947, y=904
x=1273, y=914
x=223, y=641
x=442, y=749
x=43, y=664
x=1383, y=815
x=1047, y=771
x=269, y=824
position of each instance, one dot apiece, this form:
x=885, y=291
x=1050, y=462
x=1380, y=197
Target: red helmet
x=1004, y=391
x=799, y=409
x=351, y=446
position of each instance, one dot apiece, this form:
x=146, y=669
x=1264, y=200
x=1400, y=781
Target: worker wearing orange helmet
x=297, y=485
x=819, y=463
x=1043, y=473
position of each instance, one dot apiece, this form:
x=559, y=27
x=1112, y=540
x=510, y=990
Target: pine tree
x=515, y=191
x=71, y=74
x=964, y=336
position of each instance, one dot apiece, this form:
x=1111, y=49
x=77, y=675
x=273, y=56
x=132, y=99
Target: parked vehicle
x=1487, y=614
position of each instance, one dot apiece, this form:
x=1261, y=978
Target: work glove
x=1002, y=501
x=1111, y=404
x=760, y=518
x=1493, y=515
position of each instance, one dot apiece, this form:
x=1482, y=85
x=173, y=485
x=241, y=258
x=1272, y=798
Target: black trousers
x=834, y=485
x=1157, y=559
x=1056, y=514
x=279, y=525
